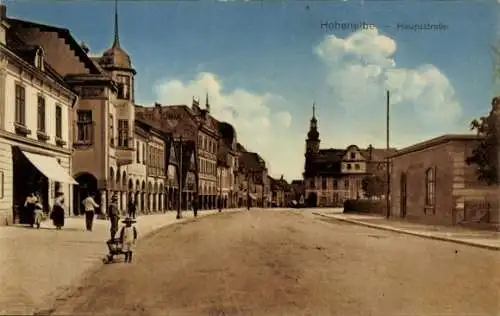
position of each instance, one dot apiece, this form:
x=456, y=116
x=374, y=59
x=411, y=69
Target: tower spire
x=116, y=42
x=314, y=109
x=207, y=103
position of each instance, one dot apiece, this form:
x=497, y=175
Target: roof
x=175, y=119
x=240, y=148
x=328, y=161
x=228, y=134
x=27, y=53
x=251, y=161
x=63, y=33
x=436, y=142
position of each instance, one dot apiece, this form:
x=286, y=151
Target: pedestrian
x=58, y=211
x=29, y=208
x=132, y=207
x=38, y=214
x=114, y=216
x=128, y=238
x=195, y=206
x=90, y=205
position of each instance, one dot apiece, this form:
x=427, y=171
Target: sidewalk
x=483, y=239
x=37, y=265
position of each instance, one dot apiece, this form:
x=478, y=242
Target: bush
x=365, y=206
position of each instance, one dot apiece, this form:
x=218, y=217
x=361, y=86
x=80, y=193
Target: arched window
x=430, y=187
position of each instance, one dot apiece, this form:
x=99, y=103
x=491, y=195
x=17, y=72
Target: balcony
x=125, y=153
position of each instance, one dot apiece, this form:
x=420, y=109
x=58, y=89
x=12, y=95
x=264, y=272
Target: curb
x=67, y=292
x=422, y=235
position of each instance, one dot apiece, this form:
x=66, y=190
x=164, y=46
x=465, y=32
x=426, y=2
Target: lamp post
x=248, y=191
x=220, y=191
x=179, y=212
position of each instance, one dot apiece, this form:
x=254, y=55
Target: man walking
x=114, y=216
x=194, y=204
x=132, y=207
x=90, y=205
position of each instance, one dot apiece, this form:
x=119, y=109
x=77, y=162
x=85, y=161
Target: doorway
x=26, y=179
x=87, y=184
x=403, y=195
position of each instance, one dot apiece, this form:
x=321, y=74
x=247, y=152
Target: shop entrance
x=26, y=179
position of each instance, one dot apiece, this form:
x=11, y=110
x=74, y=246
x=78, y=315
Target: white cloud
x=261, y=121
x=361, y=67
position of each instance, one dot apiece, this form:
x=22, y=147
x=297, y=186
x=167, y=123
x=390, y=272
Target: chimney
x=281, y=178
x=370, y=152
x=195, y=105
x=85, y=47
x=3, y=11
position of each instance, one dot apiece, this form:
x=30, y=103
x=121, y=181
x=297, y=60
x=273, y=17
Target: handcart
x=115, y=249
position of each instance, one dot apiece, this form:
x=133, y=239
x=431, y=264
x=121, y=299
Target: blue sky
x=263, y=63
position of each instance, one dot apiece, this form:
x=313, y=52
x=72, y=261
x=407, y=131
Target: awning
x=50, y=168
x=252, y=196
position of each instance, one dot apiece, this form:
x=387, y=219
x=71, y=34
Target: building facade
x=103, y=118
x=431, y=181
x=35, y=138
x=333, y=175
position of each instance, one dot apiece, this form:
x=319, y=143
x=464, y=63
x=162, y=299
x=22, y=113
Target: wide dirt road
x=287, y=263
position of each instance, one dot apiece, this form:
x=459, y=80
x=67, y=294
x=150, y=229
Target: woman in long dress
x=57, y=215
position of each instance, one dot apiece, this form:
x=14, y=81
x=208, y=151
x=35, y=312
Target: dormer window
x=39, y=59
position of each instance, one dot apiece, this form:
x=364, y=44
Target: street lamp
x=179, y=214
x=220, y=190
x=248, y=190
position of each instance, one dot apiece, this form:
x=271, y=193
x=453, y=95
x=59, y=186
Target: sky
x=263, y=64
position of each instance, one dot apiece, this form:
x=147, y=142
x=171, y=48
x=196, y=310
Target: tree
x=485, y=155
x=374, y=186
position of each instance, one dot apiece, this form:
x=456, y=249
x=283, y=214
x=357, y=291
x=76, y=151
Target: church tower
x=312, y=141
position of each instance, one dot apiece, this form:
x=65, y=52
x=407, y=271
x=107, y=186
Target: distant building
x=254, y=179
x=280, y=192
x=332, y=175
x=431, y=181
x=297, y=191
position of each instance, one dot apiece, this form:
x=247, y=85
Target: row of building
x=69, y=123
x=428, y=181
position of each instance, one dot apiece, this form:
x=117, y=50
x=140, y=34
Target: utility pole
x=179, y=214
x=388, y=173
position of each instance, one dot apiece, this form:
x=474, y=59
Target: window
x=144, y=154
x=84, y=126
x=311, y=184
x=349, y=166
x=335, y=184
x=58, y=121
x=430, y=187
x=353, y=155
x=111, y=130
x=356, y=166
x=346, y=184
x=137, y=156
x=20, y=105
x=324, y=183
x=123, y=87
x=122, y=133
x=41, y=114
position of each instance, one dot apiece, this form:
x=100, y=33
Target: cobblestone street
x=291, y=263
